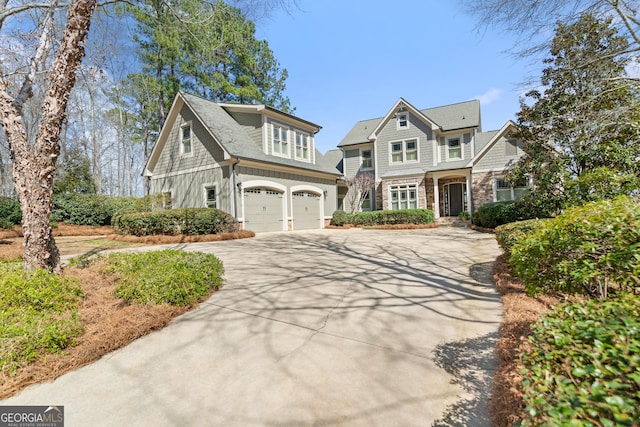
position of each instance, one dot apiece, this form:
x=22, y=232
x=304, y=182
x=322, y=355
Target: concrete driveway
x=316, y=328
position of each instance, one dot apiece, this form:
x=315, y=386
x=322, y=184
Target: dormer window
x=280, y=141
x=402, y=120
x=302, y=146
x=185, y=145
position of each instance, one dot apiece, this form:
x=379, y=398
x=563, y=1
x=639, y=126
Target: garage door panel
x=263, y=210
x=306, y=210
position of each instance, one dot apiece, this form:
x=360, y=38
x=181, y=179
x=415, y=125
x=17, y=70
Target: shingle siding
x=496, y=158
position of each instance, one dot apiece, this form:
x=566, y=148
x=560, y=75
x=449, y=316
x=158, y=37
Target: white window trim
x=287, y=129
x=408, y=126
x=511, y=187
x=182, y=126
x=447, y=148
x=361, y=159
x=205, y=187
x=309, y=138
x=393, y=187
x=404, y=151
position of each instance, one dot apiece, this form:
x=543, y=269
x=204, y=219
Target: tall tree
x=581, y=123
x=206, y=48
x=34, y=164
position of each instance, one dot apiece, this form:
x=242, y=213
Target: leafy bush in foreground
x=38, y=314
x=508, y=235
x=593, y=249
x=176, y=221
x=165, y=277
x=340, y=218
x=583, y=364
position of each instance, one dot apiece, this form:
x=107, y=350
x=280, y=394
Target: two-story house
x=437, y=158
x=253, y=161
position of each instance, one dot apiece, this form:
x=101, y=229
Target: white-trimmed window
x=185, y=139
x=366, y=201
x=404, y=151
x=303, y=146
x=280, y=140
x=505, y=191
x=402, y=121
x=403, y=196
x=366, y=159
x=210, y=194
x=454, y=149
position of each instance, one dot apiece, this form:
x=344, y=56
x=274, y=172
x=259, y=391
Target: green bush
x=405, y=216
x=165, y=277
x=38, y=314
x=340, y=218
x=584, y=365
x=176, y=221
x=93, y=209
x=10, y=212
x=508, y=235
x=593, y=249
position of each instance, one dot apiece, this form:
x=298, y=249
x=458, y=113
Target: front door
x=455, y=197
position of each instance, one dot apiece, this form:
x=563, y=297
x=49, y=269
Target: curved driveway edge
x=318, y=328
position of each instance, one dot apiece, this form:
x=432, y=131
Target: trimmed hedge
x=10, y=212
x=593, y=249
x=583, y=364
x=173, y=222
x=404, y=216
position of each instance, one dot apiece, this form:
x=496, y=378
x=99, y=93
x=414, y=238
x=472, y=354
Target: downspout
x=234, y=179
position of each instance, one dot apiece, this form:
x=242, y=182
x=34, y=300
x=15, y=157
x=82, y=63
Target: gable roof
x=448, y=117
x=489, y=139
x=230, y=135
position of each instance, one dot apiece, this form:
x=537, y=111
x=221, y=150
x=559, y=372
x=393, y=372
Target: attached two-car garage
x=264, y=210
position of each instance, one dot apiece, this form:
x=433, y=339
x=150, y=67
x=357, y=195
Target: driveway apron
x=313, y=328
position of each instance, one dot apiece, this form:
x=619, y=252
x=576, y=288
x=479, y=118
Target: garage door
x=306, y=210
x=263, y=209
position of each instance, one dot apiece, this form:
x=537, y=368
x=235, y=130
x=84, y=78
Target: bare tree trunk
x=34, y=166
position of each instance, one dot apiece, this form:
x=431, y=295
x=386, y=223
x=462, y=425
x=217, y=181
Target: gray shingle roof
x=483, y=138
x=448, y=117
x=455, y=116
x=237, y=143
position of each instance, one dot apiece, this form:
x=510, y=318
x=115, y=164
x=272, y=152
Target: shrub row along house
x=261, y=165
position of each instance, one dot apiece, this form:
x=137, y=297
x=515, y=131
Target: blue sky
x=350, y=60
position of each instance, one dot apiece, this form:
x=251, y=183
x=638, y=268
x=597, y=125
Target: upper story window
x=504, y=191
x=303, y=146
x=404, y=151
x=366, y=160
x=280, y=140
x=402, y=121
x=454, y=149
x=185, y=142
